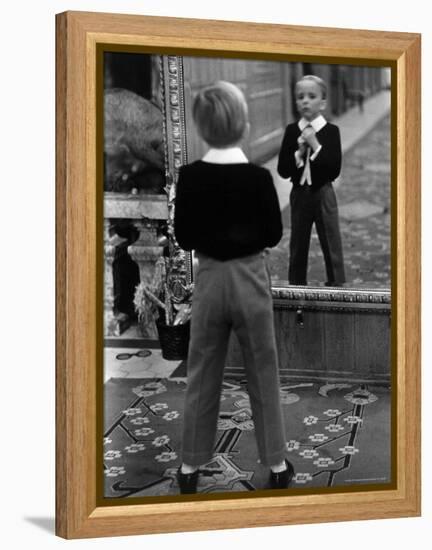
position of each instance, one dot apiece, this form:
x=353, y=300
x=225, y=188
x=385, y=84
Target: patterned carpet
x=337, y=435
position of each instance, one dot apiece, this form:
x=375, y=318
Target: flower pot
x=174, y=340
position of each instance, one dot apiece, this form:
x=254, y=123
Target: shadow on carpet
x=337, y=435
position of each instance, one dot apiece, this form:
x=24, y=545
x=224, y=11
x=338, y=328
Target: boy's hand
x=309, y=136
x=301, y=145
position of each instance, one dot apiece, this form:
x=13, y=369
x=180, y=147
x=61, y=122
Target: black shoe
x=281, y=480
x=187, y=482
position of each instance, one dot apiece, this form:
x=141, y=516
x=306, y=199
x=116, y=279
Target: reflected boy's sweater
x=226, y=211
x=325, y=168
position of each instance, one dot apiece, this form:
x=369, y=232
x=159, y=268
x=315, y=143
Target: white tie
x=306, y=176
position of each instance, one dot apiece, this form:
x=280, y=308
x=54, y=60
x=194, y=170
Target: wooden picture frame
x=78, y=331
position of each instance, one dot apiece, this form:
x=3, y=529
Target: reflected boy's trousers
x=234, y=294
x=319, y=206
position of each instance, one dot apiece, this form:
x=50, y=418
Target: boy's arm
x=328, y=160
x=272, y=215
x=182, y=217
x=287, y=165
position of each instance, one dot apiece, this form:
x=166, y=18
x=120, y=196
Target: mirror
x=147, y=109
x=358, y=102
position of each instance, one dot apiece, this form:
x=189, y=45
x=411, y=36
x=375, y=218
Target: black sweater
x=325, y=167
x=226, y=211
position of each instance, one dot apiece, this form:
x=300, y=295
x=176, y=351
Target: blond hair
x=319, y=81
x=220, y=114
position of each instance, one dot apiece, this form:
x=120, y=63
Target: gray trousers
x=234, y=294
x=315, y=206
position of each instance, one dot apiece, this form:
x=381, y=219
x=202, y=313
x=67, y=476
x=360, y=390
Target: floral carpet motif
x=336, y=435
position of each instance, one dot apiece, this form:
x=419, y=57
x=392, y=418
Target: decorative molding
x=332, y=299
x=327, y=306
x=174, y=113
x=174, y=133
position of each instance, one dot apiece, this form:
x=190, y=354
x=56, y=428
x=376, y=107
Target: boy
x=227, y=211
x=311, y=156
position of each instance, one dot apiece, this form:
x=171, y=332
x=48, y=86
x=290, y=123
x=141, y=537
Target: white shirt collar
x=317, y=123
x=230, y=155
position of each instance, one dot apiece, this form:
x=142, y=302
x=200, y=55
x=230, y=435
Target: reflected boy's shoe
x=187, y=482
x=281, y=480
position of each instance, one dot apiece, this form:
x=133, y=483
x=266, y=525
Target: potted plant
x=168, y=298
